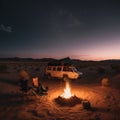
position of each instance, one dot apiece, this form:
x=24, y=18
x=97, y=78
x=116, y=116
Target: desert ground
x=104, y=99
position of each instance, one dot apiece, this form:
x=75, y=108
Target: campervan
x=62, y=71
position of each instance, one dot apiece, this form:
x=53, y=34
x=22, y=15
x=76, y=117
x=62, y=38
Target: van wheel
x=48, y=76
x=65, y=77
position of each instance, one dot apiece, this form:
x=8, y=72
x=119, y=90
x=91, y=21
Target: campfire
x=67, y=92
x=67, y=98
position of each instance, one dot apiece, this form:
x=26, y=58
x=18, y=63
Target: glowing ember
x=67, y=92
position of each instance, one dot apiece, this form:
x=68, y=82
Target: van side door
x=68, y=71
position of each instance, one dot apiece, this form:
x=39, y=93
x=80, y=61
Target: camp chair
x=38, y=88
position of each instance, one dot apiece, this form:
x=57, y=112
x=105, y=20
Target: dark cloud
x=5, y=28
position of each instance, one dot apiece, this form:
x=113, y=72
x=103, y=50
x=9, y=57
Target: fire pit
x=67, y=98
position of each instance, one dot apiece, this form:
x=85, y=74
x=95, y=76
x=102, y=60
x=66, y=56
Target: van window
x=54, y=68
x=67, y=69
x=58, y=68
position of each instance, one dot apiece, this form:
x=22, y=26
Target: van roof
x=59, y=64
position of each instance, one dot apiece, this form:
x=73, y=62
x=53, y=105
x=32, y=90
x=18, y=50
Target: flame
x=67, y=92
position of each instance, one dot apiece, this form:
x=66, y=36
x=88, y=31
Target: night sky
x=79, y=29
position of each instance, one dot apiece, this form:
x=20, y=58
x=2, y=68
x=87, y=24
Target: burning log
x=68, y=102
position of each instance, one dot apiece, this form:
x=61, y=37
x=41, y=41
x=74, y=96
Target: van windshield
x=74, y=69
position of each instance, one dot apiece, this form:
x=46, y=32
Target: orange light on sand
x=67, y=92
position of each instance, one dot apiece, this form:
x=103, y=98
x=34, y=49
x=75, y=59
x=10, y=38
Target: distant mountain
x=111, y=61
x=17, y=59
x=66, y=60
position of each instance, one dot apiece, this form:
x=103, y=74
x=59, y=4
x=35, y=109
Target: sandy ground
x=15, y=105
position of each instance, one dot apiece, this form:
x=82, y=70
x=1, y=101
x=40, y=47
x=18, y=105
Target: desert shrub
x=3, y=68
x=105, y=82
x=24, y=75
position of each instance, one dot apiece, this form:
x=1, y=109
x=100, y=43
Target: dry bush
x=24, y=75
x=105, y=82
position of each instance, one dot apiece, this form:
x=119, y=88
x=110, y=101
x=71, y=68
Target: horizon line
x=54, y=58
